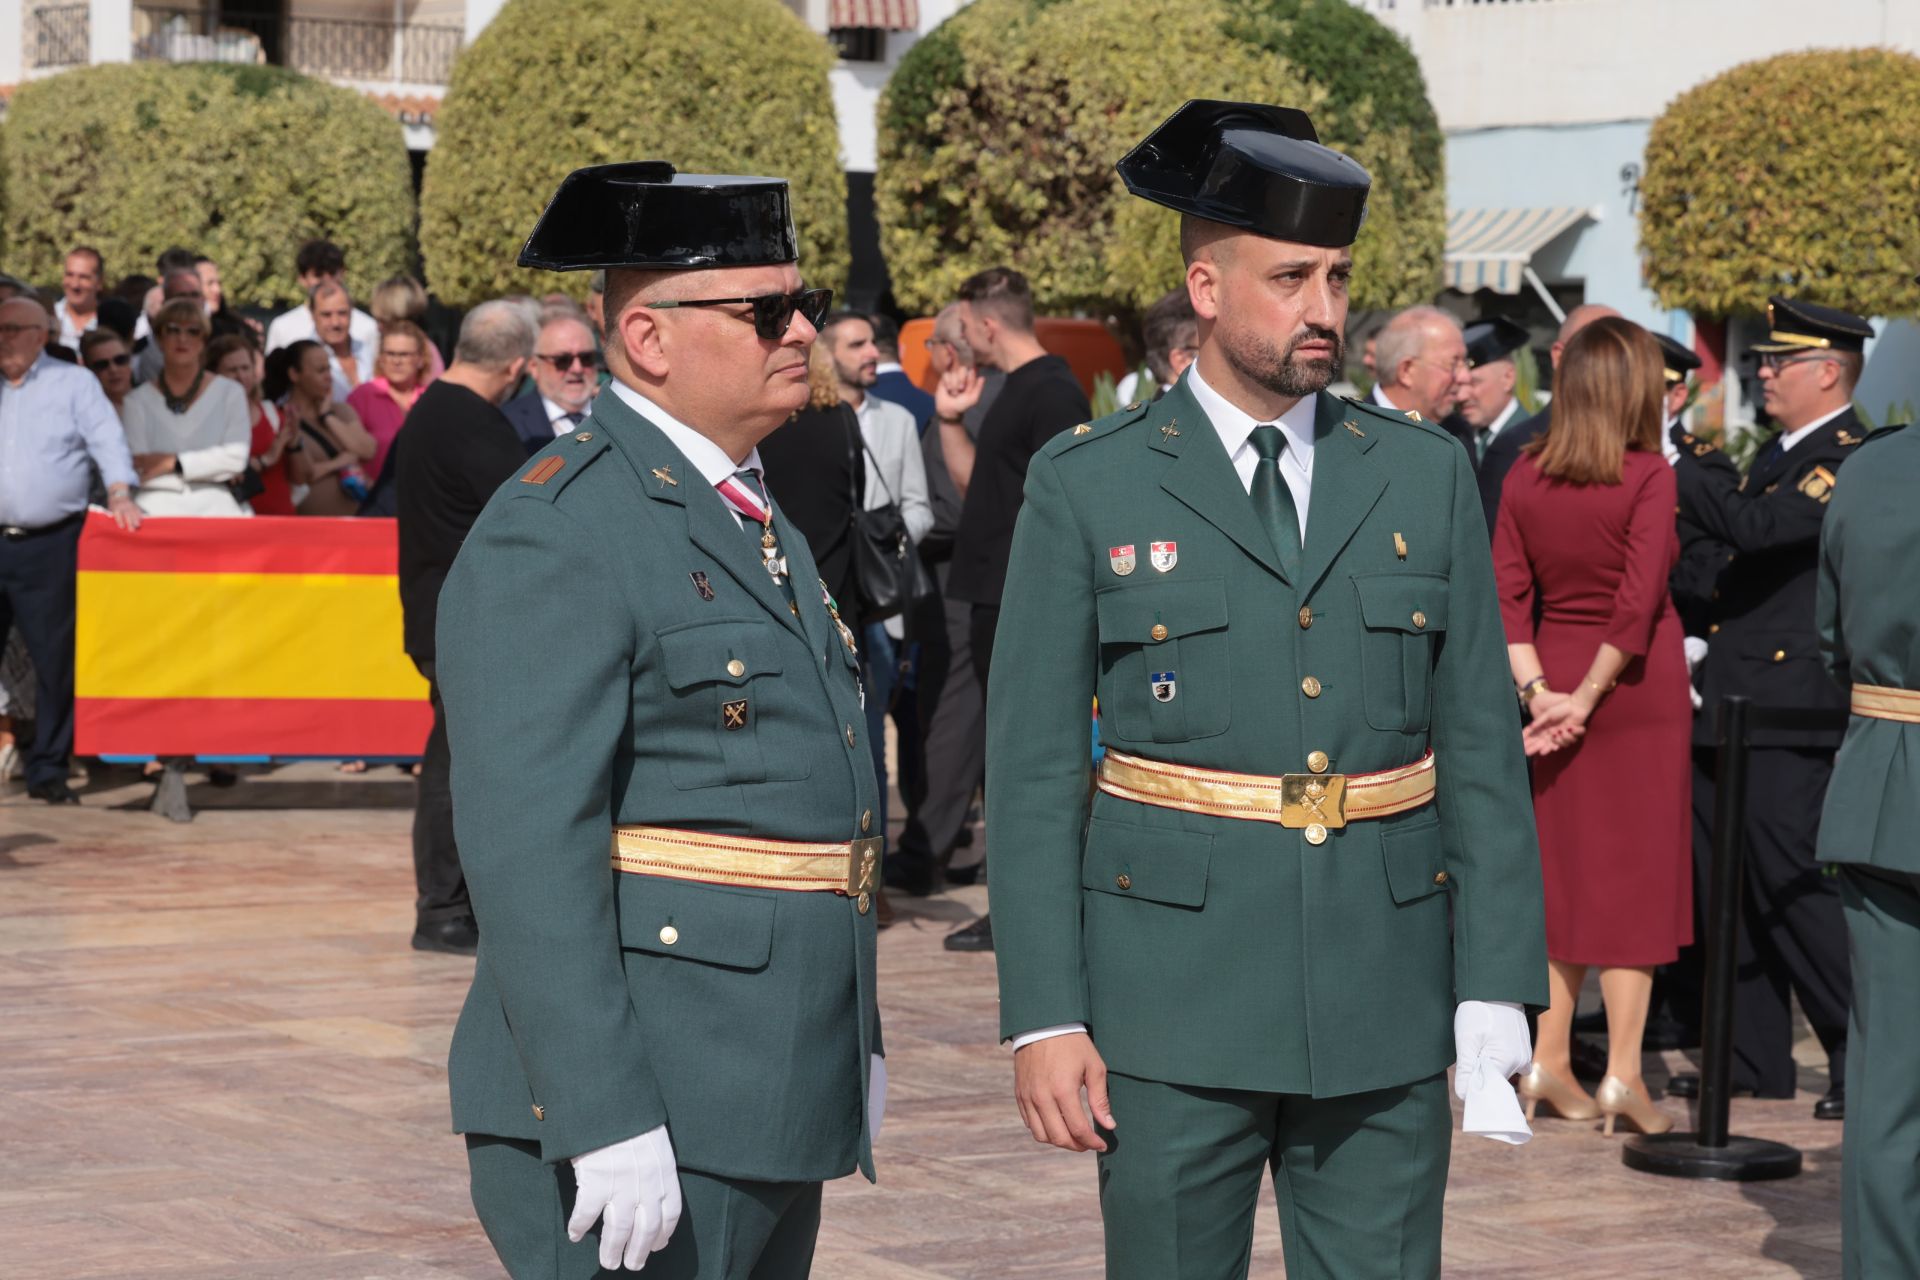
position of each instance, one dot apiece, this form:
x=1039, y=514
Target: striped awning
x=1490, y=248
x=888, y=15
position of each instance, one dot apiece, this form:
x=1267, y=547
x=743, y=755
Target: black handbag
x=888, y=577
x=248, y=485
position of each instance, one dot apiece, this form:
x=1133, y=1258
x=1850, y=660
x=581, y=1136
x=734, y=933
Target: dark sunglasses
x=120, y=361
x=772, y=312
x=565, y=360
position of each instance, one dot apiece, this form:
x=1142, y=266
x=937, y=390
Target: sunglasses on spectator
x=120, y=361
x=772, y=312
x=181, y=331
x=565, y=360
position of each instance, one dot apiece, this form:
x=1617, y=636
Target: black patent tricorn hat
x=1677, y=360
x=644, y=216
x=1493, y=338
x=1252, y=166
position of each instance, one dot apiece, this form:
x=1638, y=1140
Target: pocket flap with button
x=1415, y=602
x=695, y=921
x=1130, y=614
x=722, y=651
x=1146, y=862
x=1416, y=860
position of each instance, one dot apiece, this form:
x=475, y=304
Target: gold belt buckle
x=1313, y=799
x=863, y=867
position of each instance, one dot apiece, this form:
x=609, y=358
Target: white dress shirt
x=297, y=325
x=557, y=418
x=1788, y=439
x=708, y=458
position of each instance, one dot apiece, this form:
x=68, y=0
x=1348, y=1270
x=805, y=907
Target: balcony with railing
x=59, y=35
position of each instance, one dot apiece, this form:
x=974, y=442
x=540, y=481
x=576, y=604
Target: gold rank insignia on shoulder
x=1399, y=546
x=1355, y=428
x=665, y=476
x=1082, y=429
x=1169, y=431
x=1817, y=484
x=1414, y=414
x=543, y=471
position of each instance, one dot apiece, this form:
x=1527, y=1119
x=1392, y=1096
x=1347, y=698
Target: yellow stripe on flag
x=241, y=635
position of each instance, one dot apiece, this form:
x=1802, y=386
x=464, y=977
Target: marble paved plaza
x=219, y=1059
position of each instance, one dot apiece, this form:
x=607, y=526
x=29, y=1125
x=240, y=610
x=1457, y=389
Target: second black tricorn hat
x=1679, y=360
x=643, y=215
x=1494, y=338
x=1802, y=326
x=1260, y=168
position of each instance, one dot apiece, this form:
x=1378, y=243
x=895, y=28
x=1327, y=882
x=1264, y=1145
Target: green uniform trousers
x=730, y=1228
x=1880, y=1160
x=1360, y=1180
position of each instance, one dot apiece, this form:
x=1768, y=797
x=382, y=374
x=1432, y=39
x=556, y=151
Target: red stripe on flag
x=259, y=544
x=251, y=726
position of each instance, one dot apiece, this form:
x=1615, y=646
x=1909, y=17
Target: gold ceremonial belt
x=1314, y=802
x=1877, y=702
x=851, y=868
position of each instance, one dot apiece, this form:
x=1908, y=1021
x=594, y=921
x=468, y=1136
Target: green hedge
x=241, y=163
x=999, y=132
x=1798, y=174
x=715, y=86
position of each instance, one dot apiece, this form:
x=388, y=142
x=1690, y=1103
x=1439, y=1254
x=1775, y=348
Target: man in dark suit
x=564, y=370
x=1763, y=645
x=1504, y=450
x=890, y=381
x=454, y=450
x=1490, y=406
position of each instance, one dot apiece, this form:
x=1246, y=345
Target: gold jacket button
x=1316, y=834
x=1317, y=761
x=1441, y=878
x=1779, y=655
x=1419, y=620
x=1713, y=629
x=1306, y=617
x=849, y=735
x=584, y=436
x=1159, y=631
x=1123, y=881
x=669, y=935
x=539, y=1112
x=864, y=903
x=866, y=820
x=1311, y=687
x=736, y=668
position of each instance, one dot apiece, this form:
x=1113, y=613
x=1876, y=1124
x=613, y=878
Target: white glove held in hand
x=876, y=1096
x=1491, y=1041
x=634, y=1186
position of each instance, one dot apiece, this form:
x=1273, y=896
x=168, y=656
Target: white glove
x=876, y=1097
x=1491, y=1041
x=634, y=1187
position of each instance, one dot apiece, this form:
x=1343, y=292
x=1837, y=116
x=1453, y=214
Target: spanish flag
x=268, y=636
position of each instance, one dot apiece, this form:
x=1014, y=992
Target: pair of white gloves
x=633, y=1188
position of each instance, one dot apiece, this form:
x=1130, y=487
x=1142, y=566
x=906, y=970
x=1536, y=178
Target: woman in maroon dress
x=1584, y=543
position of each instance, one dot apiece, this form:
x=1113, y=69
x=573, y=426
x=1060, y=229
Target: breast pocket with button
x=730, y=707
x=1403, y=616
x=1166, y=668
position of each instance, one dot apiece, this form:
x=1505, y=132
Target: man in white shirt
x=565, y=367
x=78, y=309
x=1421, y=356
x=351, y=356
x=319, y=262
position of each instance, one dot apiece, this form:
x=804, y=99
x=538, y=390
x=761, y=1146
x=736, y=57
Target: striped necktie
x=746, y=496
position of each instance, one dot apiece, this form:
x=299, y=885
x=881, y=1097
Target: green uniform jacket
x=1868, y=614
x=584, y=671
x=1226, y=953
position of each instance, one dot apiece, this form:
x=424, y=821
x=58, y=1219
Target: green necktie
x=1273, y=501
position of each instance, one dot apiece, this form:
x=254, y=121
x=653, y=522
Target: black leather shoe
x=55, y=792
x=913, y=879
x=1688, y=1086
x=977, y=936
x=459, y=936
x=1834, y=1105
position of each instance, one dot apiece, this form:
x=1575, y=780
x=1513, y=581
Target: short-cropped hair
x=1002, y=293
x=495, y=334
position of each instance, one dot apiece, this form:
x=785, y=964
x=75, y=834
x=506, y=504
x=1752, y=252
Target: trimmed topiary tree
x=999, y=132
x=713, y=86
x=1798, y=174
x=241, y=163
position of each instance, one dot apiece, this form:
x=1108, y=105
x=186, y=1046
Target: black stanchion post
x=1711, y=1152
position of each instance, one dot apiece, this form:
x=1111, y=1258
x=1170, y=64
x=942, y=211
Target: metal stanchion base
x=1679, y=1155
x=170, y=794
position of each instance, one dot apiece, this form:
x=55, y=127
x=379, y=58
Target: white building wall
x=857, y=86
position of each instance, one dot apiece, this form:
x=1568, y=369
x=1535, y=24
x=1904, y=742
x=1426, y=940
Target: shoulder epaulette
x=1880, y=433
x=1098, y=429
x=1407, y=419
x=554, y=467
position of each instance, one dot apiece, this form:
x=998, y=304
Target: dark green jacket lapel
x=1202, y=476
x=1346, y=485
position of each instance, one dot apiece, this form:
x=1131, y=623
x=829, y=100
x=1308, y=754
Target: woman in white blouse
x=188, y=428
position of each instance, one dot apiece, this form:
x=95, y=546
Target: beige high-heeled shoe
x=1617, y=1099
x=1568, y=1101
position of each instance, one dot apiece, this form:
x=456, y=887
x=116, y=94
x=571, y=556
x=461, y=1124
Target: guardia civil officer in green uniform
x=1761, y=643
x=664, y=808
x=1306, y=881
x=1869, y=615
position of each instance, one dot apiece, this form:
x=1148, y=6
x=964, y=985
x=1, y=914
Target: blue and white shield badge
x=1163, y=555
x=1164, y=685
